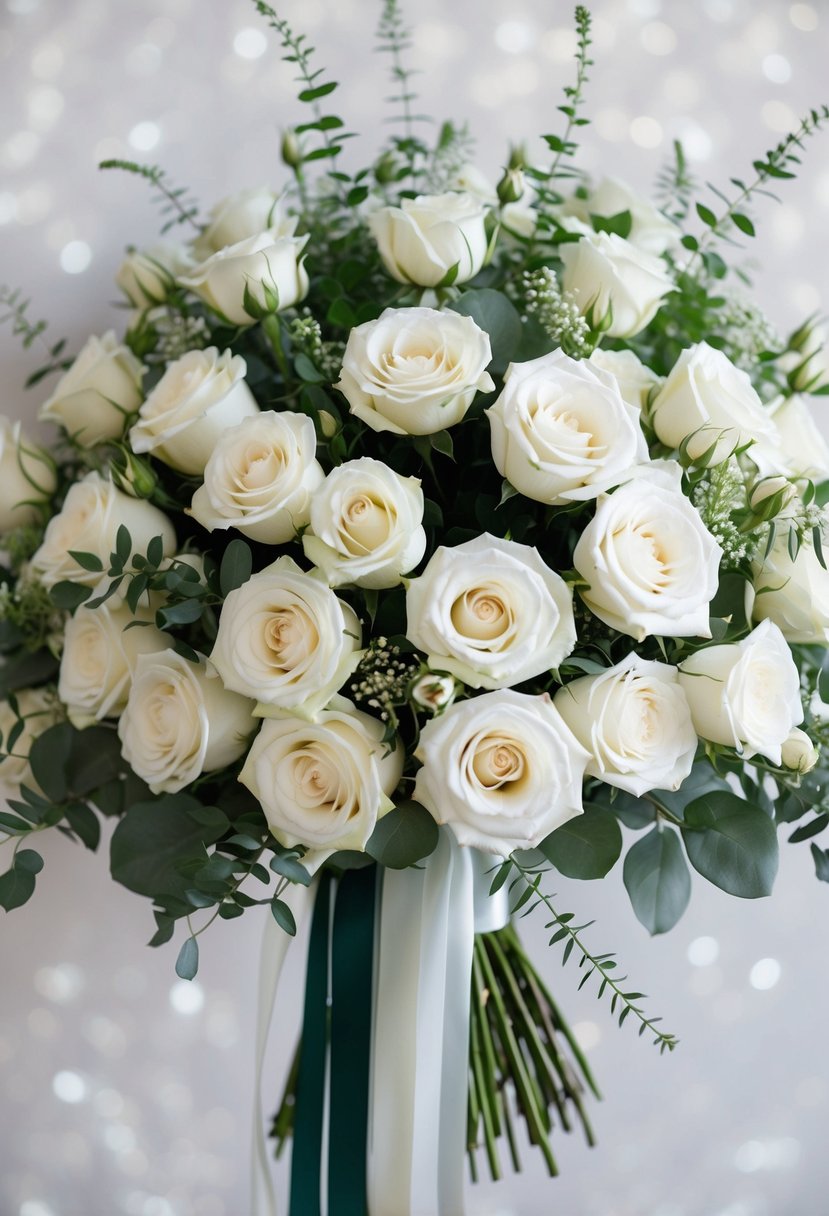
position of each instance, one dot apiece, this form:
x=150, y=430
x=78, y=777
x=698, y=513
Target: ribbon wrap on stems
x=380, y=1124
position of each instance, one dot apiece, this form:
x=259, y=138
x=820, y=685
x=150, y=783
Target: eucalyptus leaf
x=732, y=843
x=657, y=880
x=587, y=846
x=153, y=838
x=498, y=317
x=187, y=963
x=403, y=837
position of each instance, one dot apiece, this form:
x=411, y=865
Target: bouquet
x=417, y=536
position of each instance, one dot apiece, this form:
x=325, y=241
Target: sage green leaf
x=657, y=880
x=732, y=843
x=153, y=838
x=404, y=836
x=587, y=846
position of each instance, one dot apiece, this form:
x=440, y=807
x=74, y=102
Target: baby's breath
x=717, y=497
x=176, y=335
x=306, y=337
x=382, y=680
x=746, y=330
x=555, y=310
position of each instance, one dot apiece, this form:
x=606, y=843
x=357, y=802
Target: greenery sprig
x=14, y=308
x=175, y=204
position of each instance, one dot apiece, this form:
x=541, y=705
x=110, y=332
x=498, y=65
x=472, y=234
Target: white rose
x=366, y=525
x=27, y=477
x=39, y=708
x=426, y=238
x=99, y=657
x=606, y=273
x=179, y=722
x=650, y=229
x=263, y=272
x=561, y=431
x=651, y=565
x=260, y=478
x=199, y=396
x=433, y=691
x=147, y=276
x=707, y=397
x=88, y=522
x=503, y=770
x=799, y=752
x=414, y=371
x=745, y=694
x=324, y=784
x=241, y=216
x=490, y=612
x=634, y=379
x=794, y=594
x=94, y=398
x=804, y=448
x=635, y=722
x=286, y=640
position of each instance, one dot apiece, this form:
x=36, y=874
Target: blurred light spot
x=756, y=1155
x=704, y=982
x=21, y=7
x=519, y=77
x=144, y=59
x=719, y=10
x=749, y=1157
x=777, y=68
x=69, y=1087
x=119, y=1138
x=612, y=124
x=161, y=31
x=434, y=39
x=130, y=982
x=75, y=257
x=646, y=132
x=810, y=1092
x=36, y=1207
x=144, y=136
x=106, y=1036
x=764, y=974
x=788, y=225
x=658, y=38
x=559, y=44
x=174, y=1098
x=108, y=1103
x=645, y=8
x=779, y=117
x=62, y=983
x=43, y=1024
x=8, y=207
x=803, y=17
x=187, y=997
x=696, y=141
x=514, y=37
x=681, y=88
x=588, y=1035
x=762, y=34
x=703, y=951
x=45, y=107
x=47, y=60
x=21, y=148
x=806, y=298
x=729, y=1007
x=250, y=43
x=57, y=234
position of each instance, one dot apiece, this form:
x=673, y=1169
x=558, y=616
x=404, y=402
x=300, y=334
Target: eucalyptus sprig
x=175, y=204
x=394, y=39
x=14, y=308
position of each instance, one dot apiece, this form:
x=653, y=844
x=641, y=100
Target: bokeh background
x=127, y=1091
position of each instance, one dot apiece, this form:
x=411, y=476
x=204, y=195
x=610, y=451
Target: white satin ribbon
x=420, y=1029
x=275, y=943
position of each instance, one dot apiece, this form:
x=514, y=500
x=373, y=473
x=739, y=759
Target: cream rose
x=608, y=274
x=745, y=694
x=260, y=478
x=561, y=431
x=94, y=398
x=650, y=230
x=240, y=216
x=88, y=522
x=99, y=658
x=286, y=640
x=635, y=380
x=707, y=397
x=27, y=477
x=39, y=709
x=490, y=612
x=414, y=371
x=803, y=446
x=651, y=565
x=503, y=770
x=794, y=594
x=324, y=784
x=431, y=238
x=635, y=722
x=147, y=276
x=199, y=396
x=366, y=525
x=259, y=275
x=179, y=722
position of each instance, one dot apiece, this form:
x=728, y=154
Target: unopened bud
x=433, y=692
x=799, y=752
x=517, y=157
x=290, y=150
x=328, y=424
x=385, y=169
x=511, y=187
x=771, y=495
x=133, y=475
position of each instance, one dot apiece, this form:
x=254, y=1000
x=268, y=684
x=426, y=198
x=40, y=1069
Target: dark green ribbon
x=346, y=1031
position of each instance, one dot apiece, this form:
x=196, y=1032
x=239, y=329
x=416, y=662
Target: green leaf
x=16, y=887
x=49, y=760
x=187, y=963
x=620, y=223
x=28, y=859
x=821, y=860
x=403, y=837
x=184, y=613
x=291, y=869
x=68, y=596
x=743, y=223
x=89, y=561
x=283, y=916
x=657, y=880
x=84, y=823
x=587, y=846
x=732, y=843
x=153, y=838
x=236, y=566
x=706, y=215
x=321, y=90
x=497, y=316
x=123, y=543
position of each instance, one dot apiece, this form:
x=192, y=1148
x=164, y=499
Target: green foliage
x=657, y=879
x=498, y=317
x=731, y=843
x=587, y=846
x=403, y=837
x=675, y=186
x=176, y=206
x=14, y=308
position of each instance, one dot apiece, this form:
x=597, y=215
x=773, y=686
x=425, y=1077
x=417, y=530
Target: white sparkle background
x=128, y=1091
